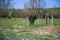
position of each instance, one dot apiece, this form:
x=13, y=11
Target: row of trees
x=35, y=6
x=30, y=7
x=5, y=6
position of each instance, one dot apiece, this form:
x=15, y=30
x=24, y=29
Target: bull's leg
x=33, y=23
x=30, y=23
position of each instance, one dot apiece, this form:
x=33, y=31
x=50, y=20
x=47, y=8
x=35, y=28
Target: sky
x=19, y=4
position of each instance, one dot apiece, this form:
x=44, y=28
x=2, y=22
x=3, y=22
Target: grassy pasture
x=19, y=29
x=25, y=22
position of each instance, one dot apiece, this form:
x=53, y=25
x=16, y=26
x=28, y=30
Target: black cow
x=32, y=18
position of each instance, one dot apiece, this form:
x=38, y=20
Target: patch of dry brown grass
x=46, y=30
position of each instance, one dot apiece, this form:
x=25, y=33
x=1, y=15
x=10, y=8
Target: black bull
x=32, y=18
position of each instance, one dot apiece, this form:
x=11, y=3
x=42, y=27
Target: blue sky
x=19, y=4
x=52, y=3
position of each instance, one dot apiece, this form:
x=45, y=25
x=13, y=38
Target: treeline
x=23, y=13
x=53, y=11
x=32, y=7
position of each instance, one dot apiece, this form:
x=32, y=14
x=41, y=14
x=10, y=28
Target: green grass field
x=25, y=22
x=19, y=29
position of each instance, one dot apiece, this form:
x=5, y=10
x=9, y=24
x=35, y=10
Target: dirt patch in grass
x=47, y=30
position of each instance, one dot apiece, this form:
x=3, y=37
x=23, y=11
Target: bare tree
x=35, y=6
x=5, y=5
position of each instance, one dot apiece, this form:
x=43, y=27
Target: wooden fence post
x=52, y=20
